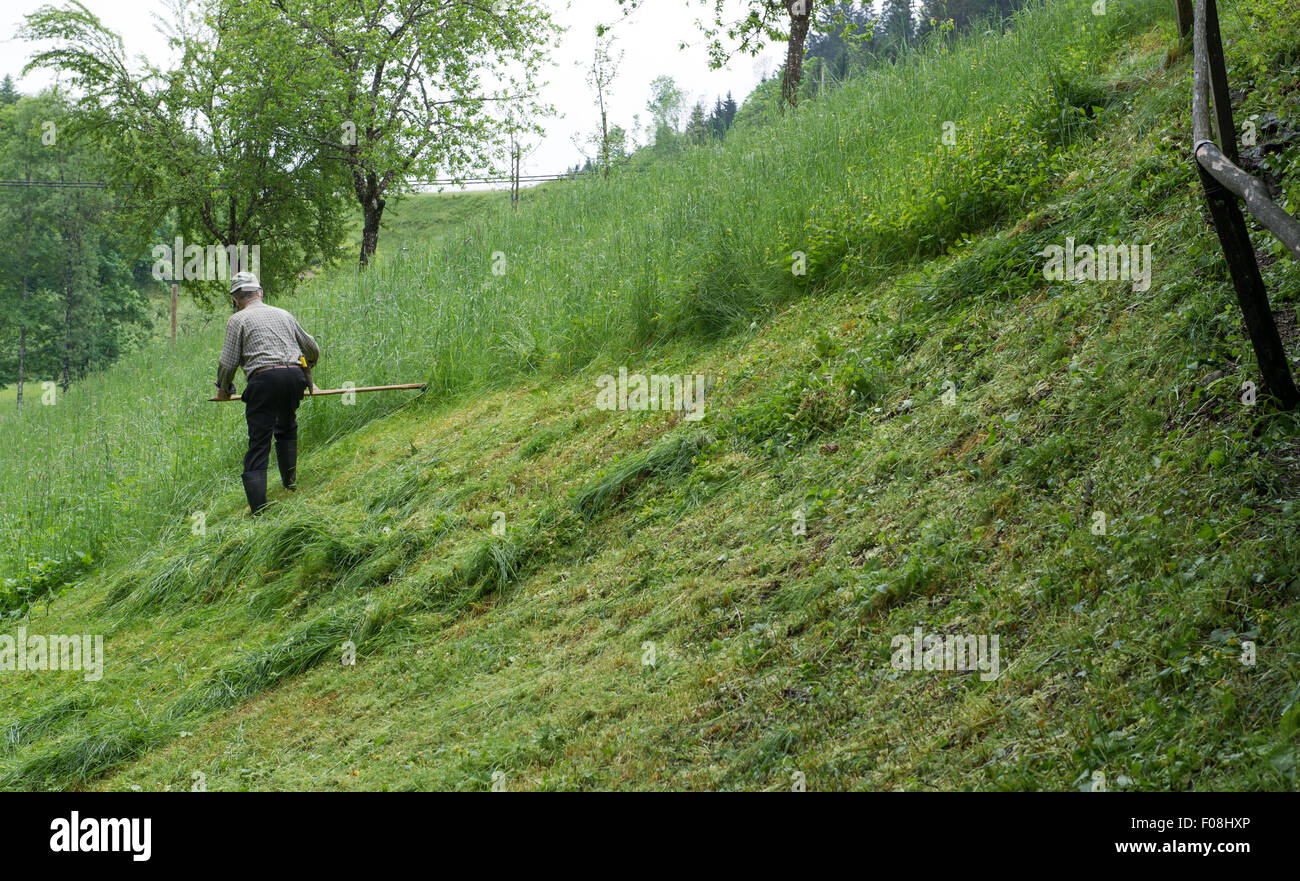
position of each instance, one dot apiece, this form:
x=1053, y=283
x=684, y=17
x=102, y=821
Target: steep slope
x=693, y=247
x=651, y=617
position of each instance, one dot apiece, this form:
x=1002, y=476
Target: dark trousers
x=271, y=407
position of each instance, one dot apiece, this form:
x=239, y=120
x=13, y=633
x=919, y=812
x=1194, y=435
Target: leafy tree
x=69, y=300
x=218, y=140
x=723, y=116
x=665, y=106
x=898, y=24
x=964, y=13
x=620, y=144
x=697, y=126
x=398, y=91
x=27, y=306
x=763, y=22
x=838, y=31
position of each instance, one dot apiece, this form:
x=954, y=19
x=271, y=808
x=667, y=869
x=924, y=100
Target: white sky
x=650, y=39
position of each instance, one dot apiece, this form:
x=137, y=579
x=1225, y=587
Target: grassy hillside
x=697, y=247
x=420, y=220
x=945, y=420
x=10, y=394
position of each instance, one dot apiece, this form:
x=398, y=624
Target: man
x=270, y=345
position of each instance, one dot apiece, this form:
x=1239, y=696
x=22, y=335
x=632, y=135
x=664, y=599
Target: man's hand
x=315, y=389
x=225, y=395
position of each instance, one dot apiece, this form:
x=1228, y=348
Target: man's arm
x=310, y=350
x=232, y=355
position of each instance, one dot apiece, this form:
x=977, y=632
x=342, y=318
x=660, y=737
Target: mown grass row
x=348, y=587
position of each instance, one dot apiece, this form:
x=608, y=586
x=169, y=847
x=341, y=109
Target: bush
x=43, y=578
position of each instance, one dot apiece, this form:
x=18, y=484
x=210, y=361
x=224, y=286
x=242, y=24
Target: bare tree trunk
x=22, y=356
x=800, y=19
x=22, y=316
x=372, y=211
x=604, y=70
x=67, y=289
x=516, y=164
x=604, y=137
x=67, y=333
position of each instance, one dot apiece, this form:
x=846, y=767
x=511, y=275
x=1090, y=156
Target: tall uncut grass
x=593, y=269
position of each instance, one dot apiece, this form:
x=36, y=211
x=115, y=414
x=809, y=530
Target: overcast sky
x=650, y=39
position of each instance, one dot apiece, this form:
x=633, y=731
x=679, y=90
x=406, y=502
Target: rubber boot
x=255, y=489
x=286, y=456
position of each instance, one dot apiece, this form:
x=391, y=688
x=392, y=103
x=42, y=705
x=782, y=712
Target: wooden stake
x=1183, y=15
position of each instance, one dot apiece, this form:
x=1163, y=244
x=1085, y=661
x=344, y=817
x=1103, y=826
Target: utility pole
x=22, y=315
x=516, y=163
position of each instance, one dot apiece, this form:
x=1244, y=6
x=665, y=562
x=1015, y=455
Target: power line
x=99, y=185
x=523, y=178
x=57, y=184
x=442, y=181
x=527, y=178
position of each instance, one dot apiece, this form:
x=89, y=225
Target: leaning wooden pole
x=1221, y=99
x=1209, y=79
x=1252, y=294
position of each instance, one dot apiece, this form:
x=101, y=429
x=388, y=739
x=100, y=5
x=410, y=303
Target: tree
x=620, y=144
x=600, y=79
x=717, y=123
x=898, y=24
x=8, y=95
x=837, y=31
x=218, y=140
x=518, y=148
x=963, y=13
x=665, y=106
x=800, y=21
x=764, y=21
x=28, y=305
x=697, y=127
x=398, y=91
x=722, y=117
x=68, y=297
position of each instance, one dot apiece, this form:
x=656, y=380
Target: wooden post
x=1227, y=129
x=1183, y=15
x=1223, y=182
x=175, y=293
x=1252, y=295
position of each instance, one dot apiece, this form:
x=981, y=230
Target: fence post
x=1183, y=15
x=1227, y=129
x=175, y=291
x=1252, y=295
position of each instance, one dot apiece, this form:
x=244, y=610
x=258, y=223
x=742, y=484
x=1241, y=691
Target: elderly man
x=271, y=346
